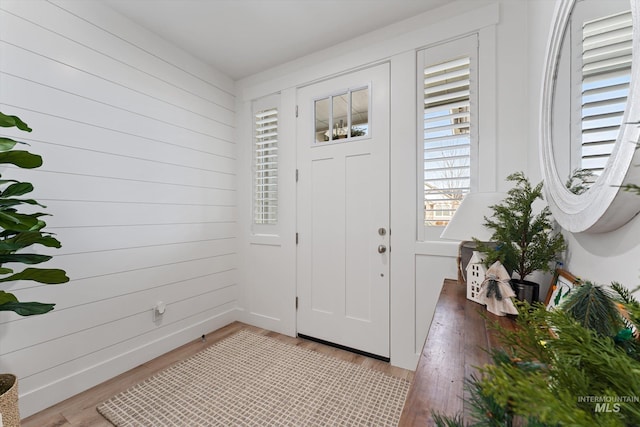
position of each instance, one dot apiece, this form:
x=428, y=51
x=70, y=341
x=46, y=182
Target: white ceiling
x=244, y=37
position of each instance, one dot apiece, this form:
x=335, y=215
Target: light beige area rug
x=253, y=380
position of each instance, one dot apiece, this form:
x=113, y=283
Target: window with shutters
x=447, y=115
x=265, y=163
x=604, y=77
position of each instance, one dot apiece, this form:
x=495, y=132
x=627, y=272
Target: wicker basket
x=9, y=401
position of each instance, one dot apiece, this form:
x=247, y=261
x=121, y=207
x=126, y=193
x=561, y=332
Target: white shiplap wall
x=140, y=176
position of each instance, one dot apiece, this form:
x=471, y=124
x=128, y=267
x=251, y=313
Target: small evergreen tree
x=525, y=241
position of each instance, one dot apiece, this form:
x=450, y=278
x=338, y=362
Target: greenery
x=580, y=181
x=21, y=230
x=564, y=367
x=593, y=308
x=632, y=188
x=526, y=242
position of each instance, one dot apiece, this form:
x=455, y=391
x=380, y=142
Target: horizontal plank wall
x=139, y=173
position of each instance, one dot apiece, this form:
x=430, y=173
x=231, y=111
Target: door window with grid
x=342, y=117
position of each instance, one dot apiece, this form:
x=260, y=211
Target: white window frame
x=263, y=104
x=442, y=52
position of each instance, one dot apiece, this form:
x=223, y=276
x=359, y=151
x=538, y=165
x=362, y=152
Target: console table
x=456, y=344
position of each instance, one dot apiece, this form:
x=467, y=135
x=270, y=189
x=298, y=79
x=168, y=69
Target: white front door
x=343, y=210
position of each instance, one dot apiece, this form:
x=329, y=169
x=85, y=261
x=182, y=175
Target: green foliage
x=444, y=421
x=559, y=367
x=632, y=188
x=21, y=230
x=594, y=308
x=8, y=302
x=629, y=308
x=580, y=181
x=580, y=363
x=629, y=303
x=483, y=407
x=13, y=121
x=526, y=241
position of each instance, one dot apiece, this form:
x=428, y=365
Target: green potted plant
x=524, y=241
x=18, y=232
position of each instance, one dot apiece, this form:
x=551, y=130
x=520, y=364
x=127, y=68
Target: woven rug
x=252, y=380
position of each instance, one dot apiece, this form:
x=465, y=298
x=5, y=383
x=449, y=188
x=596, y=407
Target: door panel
x=358, y=202
x=343, y=200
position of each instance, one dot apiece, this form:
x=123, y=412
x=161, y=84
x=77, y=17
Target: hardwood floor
x=80, y=410
x=461, y=335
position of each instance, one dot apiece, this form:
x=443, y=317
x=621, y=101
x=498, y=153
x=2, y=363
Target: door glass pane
x=322, y=120
x=340, y=117
x=360, y=112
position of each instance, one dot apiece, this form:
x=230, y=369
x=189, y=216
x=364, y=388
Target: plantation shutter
x=266, y=166
x=448, y=87
x=606, y=74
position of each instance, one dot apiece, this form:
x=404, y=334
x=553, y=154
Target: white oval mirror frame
x=604, y=206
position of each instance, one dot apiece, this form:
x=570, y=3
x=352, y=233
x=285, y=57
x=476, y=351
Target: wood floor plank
x=80, y=410
x=456, y=345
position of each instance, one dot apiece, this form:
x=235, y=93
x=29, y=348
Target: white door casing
x=343, y=199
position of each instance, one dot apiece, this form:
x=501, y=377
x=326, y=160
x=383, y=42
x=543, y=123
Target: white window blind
x=606, y=73
x=266, y=166
x=448, y=88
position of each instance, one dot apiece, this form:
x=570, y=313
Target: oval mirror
x=590, y=117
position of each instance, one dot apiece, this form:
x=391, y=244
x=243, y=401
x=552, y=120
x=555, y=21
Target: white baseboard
x=267, y=322
x=48, y=395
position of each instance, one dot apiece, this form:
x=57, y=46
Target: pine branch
x=633, y=188
x=483, y=408
x=588, y=364
x=580, y=181
x=577, y=362
x=594, y=308
x=629, y=308
x=446, y=421
x=624, y=294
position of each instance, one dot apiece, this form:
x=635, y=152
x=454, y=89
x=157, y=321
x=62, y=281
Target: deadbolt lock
x=382, y=231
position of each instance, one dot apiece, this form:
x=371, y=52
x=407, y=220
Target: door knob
x=382, y=249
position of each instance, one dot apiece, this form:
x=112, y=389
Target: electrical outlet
x=160, y=307
x=158, y=310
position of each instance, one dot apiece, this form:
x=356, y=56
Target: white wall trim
x=62, y=388
x=432, y=27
